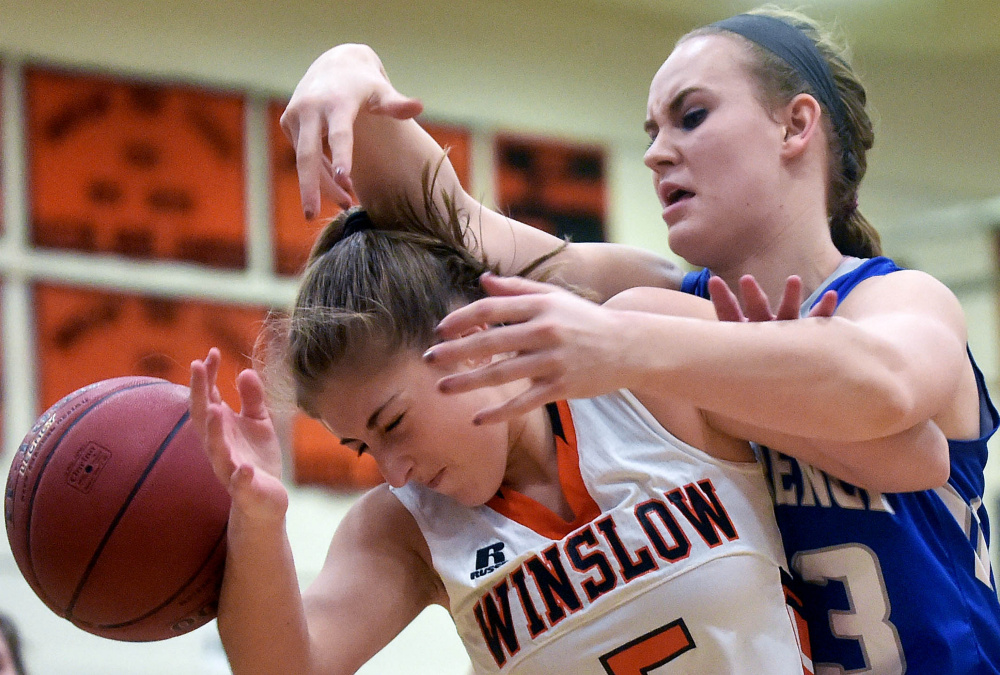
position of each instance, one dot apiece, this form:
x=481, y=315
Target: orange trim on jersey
x=524, y=510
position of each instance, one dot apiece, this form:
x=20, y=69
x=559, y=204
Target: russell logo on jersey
x=488, y=559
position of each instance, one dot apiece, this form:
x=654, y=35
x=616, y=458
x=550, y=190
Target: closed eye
x=395, y=423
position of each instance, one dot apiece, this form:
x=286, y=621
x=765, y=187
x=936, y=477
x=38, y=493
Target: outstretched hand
x=242, y=447
x=756, y=306
x=563, y=345
x=340, y=84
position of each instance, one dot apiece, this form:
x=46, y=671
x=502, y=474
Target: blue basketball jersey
x=891, y=583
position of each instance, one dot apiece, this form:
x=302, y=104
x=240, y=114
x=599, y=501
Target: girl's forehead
x=702, y=61
x=354, y=389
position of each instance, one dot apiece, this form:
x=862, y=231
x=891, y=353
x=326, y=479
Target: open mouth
x=678, y=195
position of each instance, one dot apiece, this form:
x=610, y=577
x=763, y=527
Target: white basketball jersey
x=672, y=564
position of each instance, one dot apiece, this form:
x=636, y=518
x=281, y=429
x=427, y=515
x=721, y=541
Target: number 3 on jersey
x=867, y=621
x=649, y=651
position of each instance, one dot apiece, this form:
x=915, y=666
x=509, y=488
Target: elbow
x=881, y=399
x=937, y=472
x=887, y=410
x=917, y=459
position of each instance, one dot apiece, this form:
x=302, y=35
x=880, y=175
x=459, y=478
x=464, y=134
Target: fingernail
x=477, y=421
x=429, y=355
x=309, y=214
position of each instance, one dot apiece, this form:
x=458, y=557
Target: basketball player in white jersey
x=612, y=535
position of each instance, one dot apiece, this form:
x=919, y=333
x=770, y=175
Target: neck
x=771, y=272
x=794, y=241
x=532, y=464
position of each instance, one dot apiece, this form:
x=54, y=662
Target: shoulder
x=662, y=301
x=378, y=513
x=379, y=534
x=903, y=291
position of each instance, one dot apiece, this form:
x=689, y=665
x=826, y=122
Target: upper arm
x=376, y=579
x=921, y=324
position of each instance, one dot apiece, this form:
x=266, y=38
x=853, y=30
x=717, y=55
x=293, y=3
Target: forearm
x=391, y=158
x=261, y=619
x=819, y=378
x=914, y=459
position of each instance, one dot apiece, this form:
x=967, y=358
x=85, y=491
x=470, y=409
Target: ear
x=801, y=121
x=475, y=362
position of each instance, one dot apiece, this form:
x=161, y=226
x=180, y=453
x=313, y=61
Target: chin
x=684, y=240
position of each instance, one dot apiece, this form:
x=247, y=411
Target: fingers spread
x=755, y=301
x=540, y=368
x=198, y=397
x=727, y=305
x=252, y=399
x=791, y=299
x=394, y=104
x=498, y=285
x=308, y=145
x=491, y=311
x=826, y=306
x=524, y=402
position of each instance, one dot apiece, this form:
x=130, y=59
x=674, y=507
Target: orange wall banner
x=556, y=186
x=148, y=170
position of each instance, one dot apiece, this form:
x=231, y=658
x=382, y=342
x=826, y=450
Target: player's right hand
x=242, y=447
x=340, y=84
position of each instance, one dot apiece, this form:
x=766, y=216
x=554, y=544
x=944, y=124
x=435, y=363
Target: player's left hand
x=562, y=344
x=756, y=306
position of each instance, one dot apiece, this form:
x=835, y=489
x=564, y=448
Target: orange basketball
x=113, y=513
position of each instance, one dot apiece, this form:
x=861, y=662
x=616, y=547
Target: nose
x=395, y=467
x=661, y=152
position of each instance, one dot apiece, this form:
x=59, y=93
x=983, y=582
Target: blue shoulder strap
x=696, y=283
x=844, y=284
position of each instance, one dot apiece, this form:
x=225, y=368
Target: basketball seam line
x=45, y=464
x=121, y=512
x=180, y=590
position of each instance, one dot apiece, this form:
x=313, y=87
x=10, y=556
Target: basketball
x=113, y=513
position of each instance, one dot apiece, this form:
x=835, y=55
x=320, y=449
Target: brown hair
x=10, y=634
x=377, y=286
x=779, y=83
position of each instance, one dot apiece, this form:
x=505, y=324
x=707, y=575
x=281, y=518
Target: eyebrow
x=373, y=419
x=673, y=107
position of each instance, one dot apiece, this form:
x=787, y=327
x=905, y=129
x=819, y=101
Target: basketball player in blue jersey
x=610, y=535
x=759, y=136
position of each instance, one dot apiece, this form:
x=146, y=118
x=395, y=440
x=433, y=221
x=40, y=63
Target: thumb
x=395, y=105
x=253, y=402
